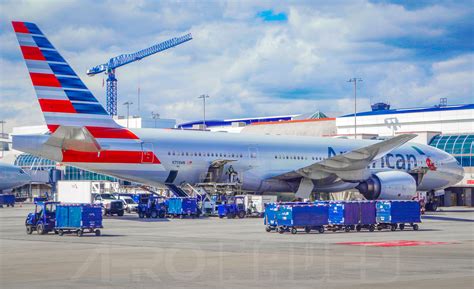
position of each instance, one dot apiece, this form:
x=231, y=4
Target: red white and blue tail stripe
x=63, y=97
x=66, y=102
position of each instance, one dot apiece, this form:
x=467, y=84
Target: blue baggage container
x=7, y=200
x=394, y=212
x=270, y=215
x=189, y=206
x=313, y=216
x=83, y=216
x=367, y=213
x=78, y=218
x=175, y=206
x=182, y=206
x=336, y=214
x=344, y=213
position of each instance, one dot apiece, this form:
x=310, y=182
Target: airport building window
x=459, y=145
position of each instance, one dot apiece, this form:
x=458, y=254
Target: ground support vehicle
x=181, y=207
x=151, y=207
x=397, y=214
x=234, y=207
x=7, y=200
x=308, y=217
x=78, y=219
x=64, y=218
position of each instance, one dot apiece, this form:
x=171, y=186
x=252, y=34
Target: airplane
x=84, y=135
x=12, y=177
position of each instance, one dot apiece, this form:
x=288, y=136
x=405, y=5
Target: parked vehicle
x=255, y=204
x=234, y=207
x=111, y=206
x=152, y=207
x=7, y=200
x=64, y=218
x=180, y=207
x=129, y=204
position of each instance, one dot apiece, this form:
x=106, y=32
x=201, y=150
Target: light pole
x=204, y=96
x=128, y=103
x=355, y=80
x=155, y=116
x=3, y=148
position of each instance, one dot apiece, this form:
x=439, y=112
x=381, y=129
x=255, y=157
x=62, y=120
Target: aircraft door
x=147, y=153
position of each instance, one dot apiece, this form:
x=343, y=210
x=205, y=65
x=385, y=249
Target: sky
x=253, y=58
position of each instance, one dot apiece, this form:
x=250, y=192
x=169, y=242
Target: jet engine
x=390, y=185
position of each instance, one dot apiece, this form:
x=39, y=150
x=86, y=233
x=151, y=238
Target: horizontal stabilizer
x=73, y=138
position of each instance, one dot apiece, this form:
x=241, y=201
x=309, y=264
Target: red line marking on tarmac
x=397, y=243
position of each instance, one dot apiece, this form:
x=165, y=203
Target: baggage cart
x=7, y=200
x=343, y=216
x=397, y=214
x=307, y=217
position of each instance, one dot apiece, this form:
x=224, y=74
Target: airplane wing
x=350, y=166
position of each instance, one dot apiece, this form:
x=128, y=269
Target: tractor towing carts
x=64, y=218
x=151, y=207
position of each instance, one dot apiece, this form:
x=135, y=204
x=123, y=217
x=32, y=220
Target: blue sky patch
x=270, y=16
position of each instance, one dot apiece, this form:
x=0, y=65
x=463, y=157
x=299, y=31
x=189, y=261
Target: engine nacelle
x=390, y=185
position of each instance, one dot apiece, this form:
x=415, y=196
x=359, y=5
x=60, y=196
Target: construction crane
x=121, y=60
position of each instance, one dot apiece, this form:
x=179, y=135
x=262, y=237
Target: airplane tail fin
x=63, y=97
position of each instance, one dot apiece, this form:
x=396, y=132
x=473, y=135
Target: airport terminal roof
x=413, y=110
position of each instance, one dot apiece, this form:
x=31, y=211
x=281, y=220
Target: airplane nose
x=456, y=170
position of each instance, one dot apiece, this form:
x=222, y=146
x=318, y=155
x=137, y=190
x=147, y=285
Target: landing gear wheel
x=415, y=227
x=294, y=230
x=79, y=233
x=307, y=229
x=402, y=227
x=358, y=228
x=372, y=228
x=29, y=229
x=97, y=233
x=321, y=229
x=40, y=229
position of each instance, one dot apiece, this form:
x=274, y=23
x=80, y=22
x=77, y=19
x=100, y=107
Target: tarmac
x=223, y=253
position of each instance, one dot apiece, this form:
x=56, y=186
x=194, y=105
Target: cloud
x=249, y=67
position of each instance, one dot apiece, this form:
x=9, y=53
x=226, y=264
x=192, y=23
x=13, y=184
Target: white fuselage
x=185, y=156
